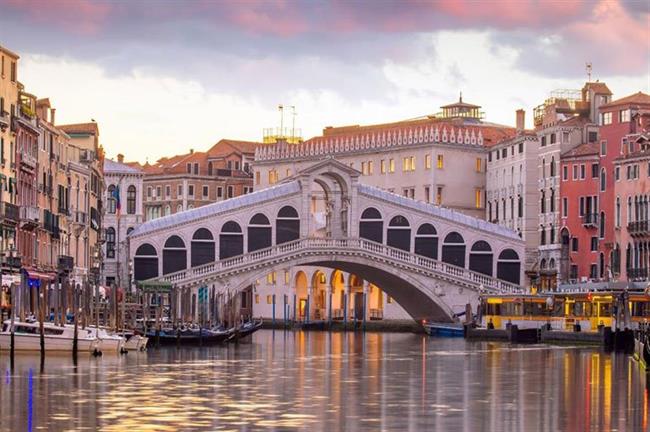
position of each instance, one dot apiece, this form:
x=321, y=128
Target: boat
x=110, y=342
x=190, y=336
x=135, y=342
x=27, y=337
x=443, y=329
x=246, y=329
x=642, y=346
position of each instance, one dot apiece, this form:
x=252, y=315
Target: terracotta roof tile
x=598, y=87
x=226, y=146
x=81, y=128
x=586, y=149
x=636, y=98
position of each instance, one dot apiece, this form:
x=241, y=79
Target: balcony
x=9, y=212
x=590, y=220
x=79, y=218
x=4, y=121
x=637, y=273
x=28, y=160
x=638, y=228
x=66, y=263
x=29, y=217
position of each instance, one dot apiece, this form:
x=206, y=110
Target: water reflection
x=323, y=382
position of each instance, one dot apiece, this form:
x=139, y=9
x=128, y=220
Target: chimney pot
x=521, y=120
x=120, y=158
x=52, y=115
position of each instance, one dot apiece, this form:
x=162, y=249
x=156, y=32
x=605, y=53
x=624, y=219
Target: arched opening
x=601, y=265
x=301, y=295
x=355, y=301
x=509, y=266
x=317, y=299
x=453, y=249
x=287, y=225
x=426, y=241
x=481, y=258
x=110, y=242
x=371, y=225
x=202, y=247
x=111, y=202
x=130, y=200
x=259, y=233
x=399, y=233
x=542, y=264
x=565, y=239
x=174, y=255
x=145, y=262
x=337, y=284
x=231, y=240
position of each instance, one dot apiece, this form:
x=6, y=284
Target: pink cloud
x=84, y=17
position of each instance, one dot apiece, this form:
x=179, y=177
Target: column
x=366, y=300
x=328, y=302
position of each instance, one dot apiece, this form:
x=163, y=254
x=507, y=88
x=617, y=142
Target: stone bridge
x=425, y=257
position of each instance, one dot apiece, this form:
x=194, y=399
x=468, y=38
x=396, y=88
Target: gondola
x=169, y=336
x=246, y=329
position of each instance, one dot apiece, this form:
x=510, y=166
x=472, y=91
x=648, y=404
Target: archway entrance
x=318, y=296
x=300, y=285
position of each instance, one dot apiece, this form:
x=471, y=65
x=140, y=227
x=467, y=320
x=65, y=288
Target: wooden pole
x=75, y=340
x=40, y=324
x=13, y=314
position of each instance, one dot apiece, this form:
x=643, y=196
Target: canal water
x=314, y=381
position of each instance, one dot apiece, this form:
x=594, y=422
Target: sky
x=163, y=77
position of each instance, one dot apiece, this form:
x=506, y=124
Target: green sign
x=155, y=286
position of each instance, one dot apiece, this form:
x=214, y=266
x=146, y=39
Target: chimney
x=52, y=115
x=191, y=151
x=521, y=120
x=120, y=158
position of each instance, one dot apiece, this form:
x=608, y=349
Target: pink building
x=632, y=205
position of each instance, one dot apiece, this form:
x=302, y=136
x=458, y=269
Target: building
x=626, y=135
x=195, y=179
x=567, y=119
x=124, y=183
x=511, y=191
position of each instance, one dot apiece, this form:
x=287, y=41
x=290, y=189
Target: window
x=179, y=191
x=189, y=168
x=269, y=299
x=231, y=191
x=196, y=169
x=542, y=203
x=553, y=138
x=205, y=191
x=592, y=136
x=565, y=137
x=130, y=199
x=497, y=154
x=209, y=168
x=574, y=272
x=552, y=201
x=382, y=166
x=271, y=278
x=273, y=176
x=288, y=172
x=159, y=191
x=190, y=190
x=565, y=207
x=148, y=189
x=521, y=147
x=542, y=236
x=594, y=170
x=581, y=206
x=168, y=191
x=219, y=192
x=552, y=167
x=582, y=172
x=408, y=164
x=624, y=116
x=565, y=173
x=478, y=165
x=257, y=178
x=520, y=206
x=363, y=168
x=603, y=148
x=489, y=156
x=594, y=244
x=439, y=195
x=542, y=142
x=427, y=161
x=440, y=162
x=370, y=168
x=110, y=242
x=2, y=151
x=593, y=271
x=617, y=173
x=618, y=211
x=606, y=118
x=391, y=165
x=13, y=72
x=477, y=198
x=574, y=244
x=575, y=172
x=504, y=153
x=427, y=194
x=603, y=180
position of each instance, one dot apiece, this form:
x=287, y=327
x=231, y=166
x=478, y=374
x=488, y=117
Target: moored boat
x=246, y=329
x=443, y=329
x=56, y=338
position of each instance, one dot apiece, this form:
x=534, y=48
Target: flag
x=116, y=196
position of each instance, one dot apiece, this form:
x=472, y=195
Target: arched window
x=179, y=208
x=110, y=242
x=167, y=210
x=145, y=263
x=601, y=233
x=509, y=266
x=480, y=258
x=399, y=233
x=111, y=204
x=174, y=255
x=453, y=249
x=371, y=225
x=259, y=232
x=287, y=225
x=231, y=240
x=129, y=230
x=553, y=166
x=542, y=264
x=618, y=211
x=202, y=247
x=426, y=241
x=130, y=200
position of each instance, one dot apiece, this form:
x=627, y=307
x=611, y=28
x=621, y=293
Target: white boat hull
x=32, y=342
x=136, y=343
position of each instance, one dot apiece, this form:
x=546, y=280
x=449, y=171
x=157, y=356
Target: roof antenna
x=588, y=67
x=461, y=97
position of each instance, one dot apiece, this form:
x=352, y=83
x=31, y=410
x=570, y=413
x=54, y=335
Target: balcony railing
x=9, y=212
x=4, y=120
x=638, y=228
x=79, y=217
x=29, y=216
x=28, y=160
x=637, y=273
x=590, y=220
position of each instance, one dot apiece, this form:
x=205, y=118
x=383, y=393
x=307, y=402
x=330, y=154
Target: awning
x=44, y=276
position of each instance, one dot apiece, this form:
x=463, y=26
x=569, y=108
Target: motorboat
x=135, y=342
x=110, y=342
x=27, y=337
x=443, y=329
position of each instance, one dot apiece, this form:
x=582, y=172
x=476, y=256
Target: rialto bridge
x=426, y=258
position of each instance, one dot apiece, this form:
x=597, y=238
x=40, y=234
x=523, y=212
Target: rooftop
x=80, y=128
x=112, y=167
x=586, y=149
x=636, y=98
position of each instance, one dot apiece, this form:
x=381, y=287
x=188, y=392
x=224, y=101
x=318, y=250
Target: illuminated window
x=286, y=276
x=408, y=164
x=477, y=198
x=273, y=176
x=478, y=164
x=440, y=162
x=382, y=166
x=288, y=172
x=439, y=196
x=391, y=165
x=427, y=161
x=257, y=177
x=257, y=298
x=370, y=167
x=269, y=299
x=270, y=278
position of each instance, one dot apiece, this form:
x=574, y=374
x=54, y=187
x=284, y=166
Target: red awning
x=45, y=276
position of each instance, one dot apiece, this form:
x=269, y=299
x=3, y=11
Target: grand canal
x=330, y=381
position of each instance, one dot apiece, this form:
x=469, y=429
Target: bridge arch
x=231, y=240
x=202, y=247
x=399, y=233
x=481, y=258
x=509, y=266
x=174, y=255
x=371, y=225
x=259, y=232
x=453, y=249
x=287, y=225
x=145, y=262
x=426, y=241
